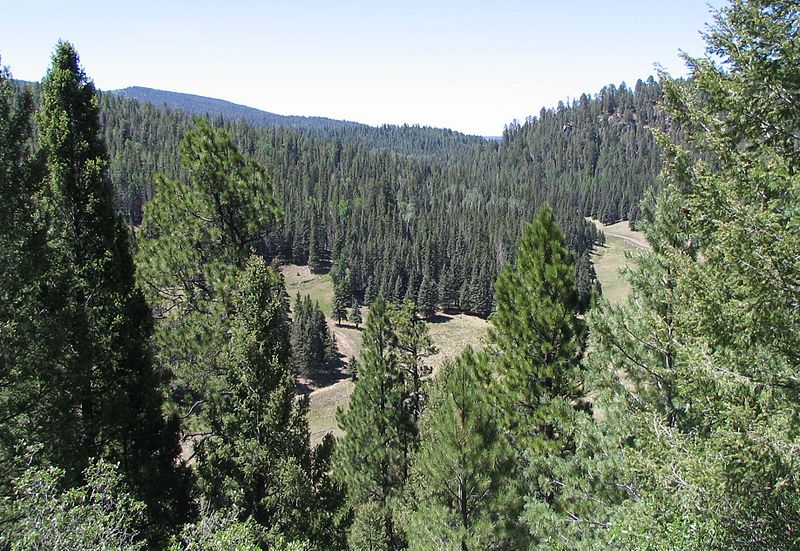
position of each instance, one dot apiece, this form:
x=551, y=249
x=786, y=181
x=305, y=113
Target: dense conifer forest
x=151, y=357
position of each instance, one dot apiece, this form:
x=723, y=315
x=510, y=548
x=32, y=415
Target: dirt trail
x=638, y=242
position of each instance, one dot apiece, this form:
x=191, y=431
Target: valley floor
x=451, y=333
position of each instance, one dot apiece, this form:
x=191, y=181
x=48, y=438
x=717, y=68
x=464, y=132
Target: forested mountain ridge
x=202, y=105
x=599, y=148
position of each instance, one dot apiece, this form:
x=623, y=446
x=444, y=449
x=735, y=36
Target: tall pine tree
x=538, y=335
x=116, y=389
x=374, y=455
x=257, y=460
x=706, y=350
x=196, y=236
x=462, y=491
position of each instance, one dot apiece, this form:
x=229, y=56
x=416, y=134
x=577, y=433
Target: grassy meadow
x=451, y=334
x=621, y=242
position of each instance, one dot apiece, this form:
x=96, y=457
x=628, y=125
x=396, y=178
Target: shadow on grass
x=306, y=384
x=439, y=318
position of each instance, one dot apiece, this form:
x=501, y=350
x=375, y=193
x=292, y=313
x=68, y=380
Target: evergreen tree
x=355, y=314
x=426, y=298
x=538, y=335
x=257, y=460
x=414, y=344
x=196, y=236
x=313, y=349
x=706, y=347
x=112, y=379
x=463, y=495
x=374, y=454
x=339, y=302
x=448, y=290
x=315, y=254
x=333, y=361
x=586, y=279
x=33, y=404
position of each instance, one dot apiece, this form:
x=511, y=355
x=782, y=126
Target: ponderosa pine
x=257, y=460
x=111, y=376
x=374, y=456
x=462, y=495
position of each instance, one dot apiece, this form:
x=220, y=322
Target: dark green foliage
x=586, y=280
x=539, y=337
x=414, y=344
x=426, y=298
x=333, y=361
x=705, y=350
x=354, y=316
x=313, y=344
x=256, y=460
x=196, y=236
x=317, y=255
x=462, y=490
x=338, y=306
x=110, y=376
x=374, y=456
x=341, y=299
x=32, y=405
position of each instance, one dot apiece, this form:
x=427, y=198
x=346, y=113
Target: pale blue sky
x=468, y=65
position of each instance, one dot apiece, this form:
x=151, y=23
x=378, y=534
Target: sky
x=469, y=65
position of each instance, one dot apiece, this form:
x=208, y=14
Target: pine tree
x=426, y=298
x=196, y=236
x=315, y=249
x=586, y=279
x=414, y=345
x=355, y=314
x=462, y=493
x=448, y=290
x=333, y=362
x=373, y=457
x=34, y=406
x=339, y=302
x=311, y=341
x=706, y=348
x=539, y=336
x=257, y=460
x=111, y=373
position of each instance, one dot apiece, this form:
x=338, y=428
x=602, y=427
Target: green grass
x=610, y=258
x=450, y=336
x=319, y=287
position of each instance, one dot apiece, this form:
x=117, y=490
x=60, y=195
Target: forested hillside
x=394, y=206
x=151, y=360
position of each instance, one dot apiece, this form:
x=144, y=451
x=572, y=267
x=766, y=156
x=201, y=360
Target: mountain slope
x=200, y=105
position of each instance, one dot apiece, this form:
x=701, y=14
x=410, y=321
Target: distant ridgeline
x=393, y=204
x=200, y=105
